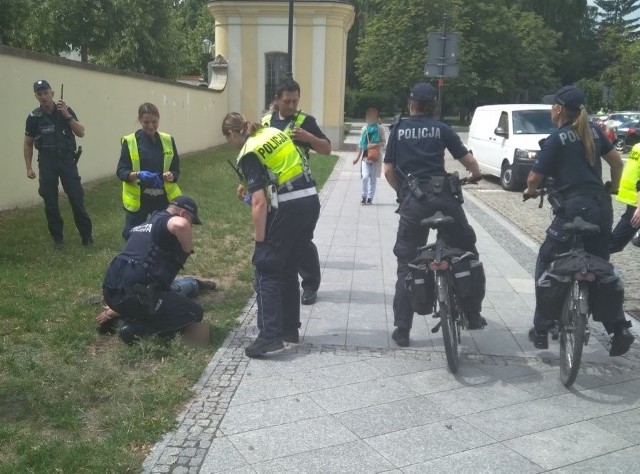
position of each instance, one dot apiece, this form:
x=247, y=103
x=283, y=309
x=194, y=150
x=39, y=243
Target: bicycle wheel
x=573, y=324
x=447, y=321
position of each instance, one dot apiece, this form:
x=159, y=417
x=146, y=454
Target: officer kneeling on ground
x=138, y=282
x=415, y=159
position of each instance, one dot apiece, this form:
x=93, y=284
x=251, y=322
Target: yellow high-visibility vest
x=276, y=153
x=627, y=192
x=131, y=192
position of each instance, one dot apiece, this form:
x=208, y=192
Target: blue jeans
x=186, y=286
x=369, y=179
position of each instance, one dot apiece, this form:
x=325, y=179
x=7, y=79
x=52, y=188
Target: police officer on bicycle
x=53, y=128
x=571, y=156
x=284, y=208
x=414, y=166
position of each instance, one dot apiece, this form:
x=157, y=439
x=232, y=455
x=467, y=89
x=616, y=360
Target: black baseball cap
x=570, y=97
x=188, y=204
x=40, y=84
x=423, y=91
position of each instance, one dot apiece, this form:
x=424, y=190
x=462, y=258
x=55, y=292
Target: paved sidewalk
x=348, y=400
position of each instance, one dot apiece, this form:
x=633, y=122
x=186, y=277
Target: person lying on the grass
x=107, y=321
x=137, y=285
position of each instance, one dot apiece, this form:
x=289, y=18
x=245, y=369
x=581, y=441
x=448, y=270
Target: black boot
x=621, y=342
x=540, y=339
x=262, y=346
x=401, y=336
x=476, y=321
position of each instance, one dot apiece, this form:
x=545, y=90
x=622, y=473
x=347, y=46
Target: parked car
x=622, y=132
x=505, y=139
x=616, y=119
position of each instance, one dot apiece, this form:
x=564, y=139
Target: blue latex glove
x=150, y=180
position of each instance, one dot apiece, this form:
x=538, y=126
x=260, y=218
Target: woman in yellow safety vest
x=284, y=211
x=149, y=168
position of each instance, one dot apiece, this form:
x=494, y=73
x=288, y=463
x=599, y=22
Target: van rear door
x=483, y=140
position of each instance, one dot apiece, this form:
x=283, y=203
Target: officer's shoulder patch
x=36, y=112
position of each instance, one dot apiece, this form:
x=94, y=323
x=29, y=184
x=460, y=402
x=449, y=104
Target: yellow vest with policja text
x=276, y=152
x=131, y=192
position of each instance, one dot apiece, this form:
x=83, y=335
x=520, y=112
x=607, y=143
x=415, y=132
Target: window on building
x=275, y=71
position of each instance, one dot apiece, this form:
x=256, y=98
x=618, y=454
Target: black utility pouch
x=420, y=284
x=456, y=187
x=437, y=184
x=147, y=295
x=468, y=277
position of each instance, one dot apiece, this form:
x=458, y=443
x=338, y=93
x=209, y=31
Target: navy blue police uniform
x=310, y=262
x=577, y=190
x=416, y=148
x=56, y=144
x=152, y=199
x=137, y=284
x=277, y=260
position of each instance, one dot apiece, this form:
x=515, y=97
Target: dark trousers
x=309, y=267
x=411, y=236
x=592, y=208
x=174, y=313
x=277, y=260
x=623, y=231
x=148, y=205
x=52, y=171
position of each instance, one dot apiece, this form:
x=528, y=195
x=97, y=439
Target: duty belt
x=299, y=194
x=289, y=185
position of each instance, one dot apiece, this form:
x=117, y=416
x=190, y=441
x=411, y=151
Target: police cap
x=568, y=96
x=188, y=204
x=423, y=91
x=40, y=84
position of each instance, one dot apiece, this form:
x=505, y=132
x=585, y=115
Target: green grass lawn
x=73, y=401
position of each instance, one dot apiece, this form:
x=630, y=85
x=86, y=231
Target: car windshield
x=623, y=117
x=532, y=122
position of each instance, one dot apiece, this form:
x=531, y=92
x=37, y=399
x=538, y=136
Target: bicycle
x=439, y=258
x=572, y=328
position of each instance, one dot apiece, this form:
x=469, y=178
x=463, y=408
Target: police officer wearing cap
x=53, y=128
x=138, y=282
x=415, y=154
x=284, y=210
x=307, y=136
x=571, y=155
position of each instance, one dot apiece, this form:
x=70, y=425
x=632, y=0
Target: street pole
x=290, y=43
x=442, y=66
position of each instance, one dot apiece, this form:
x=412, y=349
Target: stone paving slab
x=347, y=399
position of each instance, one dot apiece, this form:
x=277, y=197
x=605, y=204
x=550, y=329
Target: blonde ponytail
x=235, y=122
x=581, y=126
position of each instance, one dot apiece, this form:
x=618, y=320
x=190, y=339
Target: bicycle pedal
x=436, y=328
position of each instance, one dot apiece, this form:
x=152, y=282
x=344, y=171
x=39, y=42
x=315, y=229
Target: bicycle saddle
x=437, y=221
x=580, y=226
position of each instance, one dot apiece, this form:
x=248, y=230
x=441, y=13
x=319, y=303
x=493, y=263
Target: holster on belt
x=146, y=294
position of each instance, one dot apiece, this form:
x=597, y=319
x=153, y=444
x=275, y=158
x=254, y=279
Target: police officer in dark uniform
x=137, y=285
x=571, y=156
x=53, y=128
x=307, y=136
x=284, y=210
x=415, y=154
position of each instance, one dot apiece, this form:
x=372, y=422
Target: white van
x=504, y=139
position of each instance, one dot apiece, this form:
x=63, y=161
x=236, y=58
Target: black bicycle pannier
x=551, y=293
x=468, y=276
x=420, y=284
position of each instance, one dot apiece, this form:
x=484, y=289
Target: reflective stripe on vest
x=131, y=192
x=297, y=123
x=627, y=192
x=276, y=152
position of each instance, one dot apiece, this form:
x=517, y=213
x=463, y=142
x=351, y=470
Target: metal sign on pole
x=441, y=59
